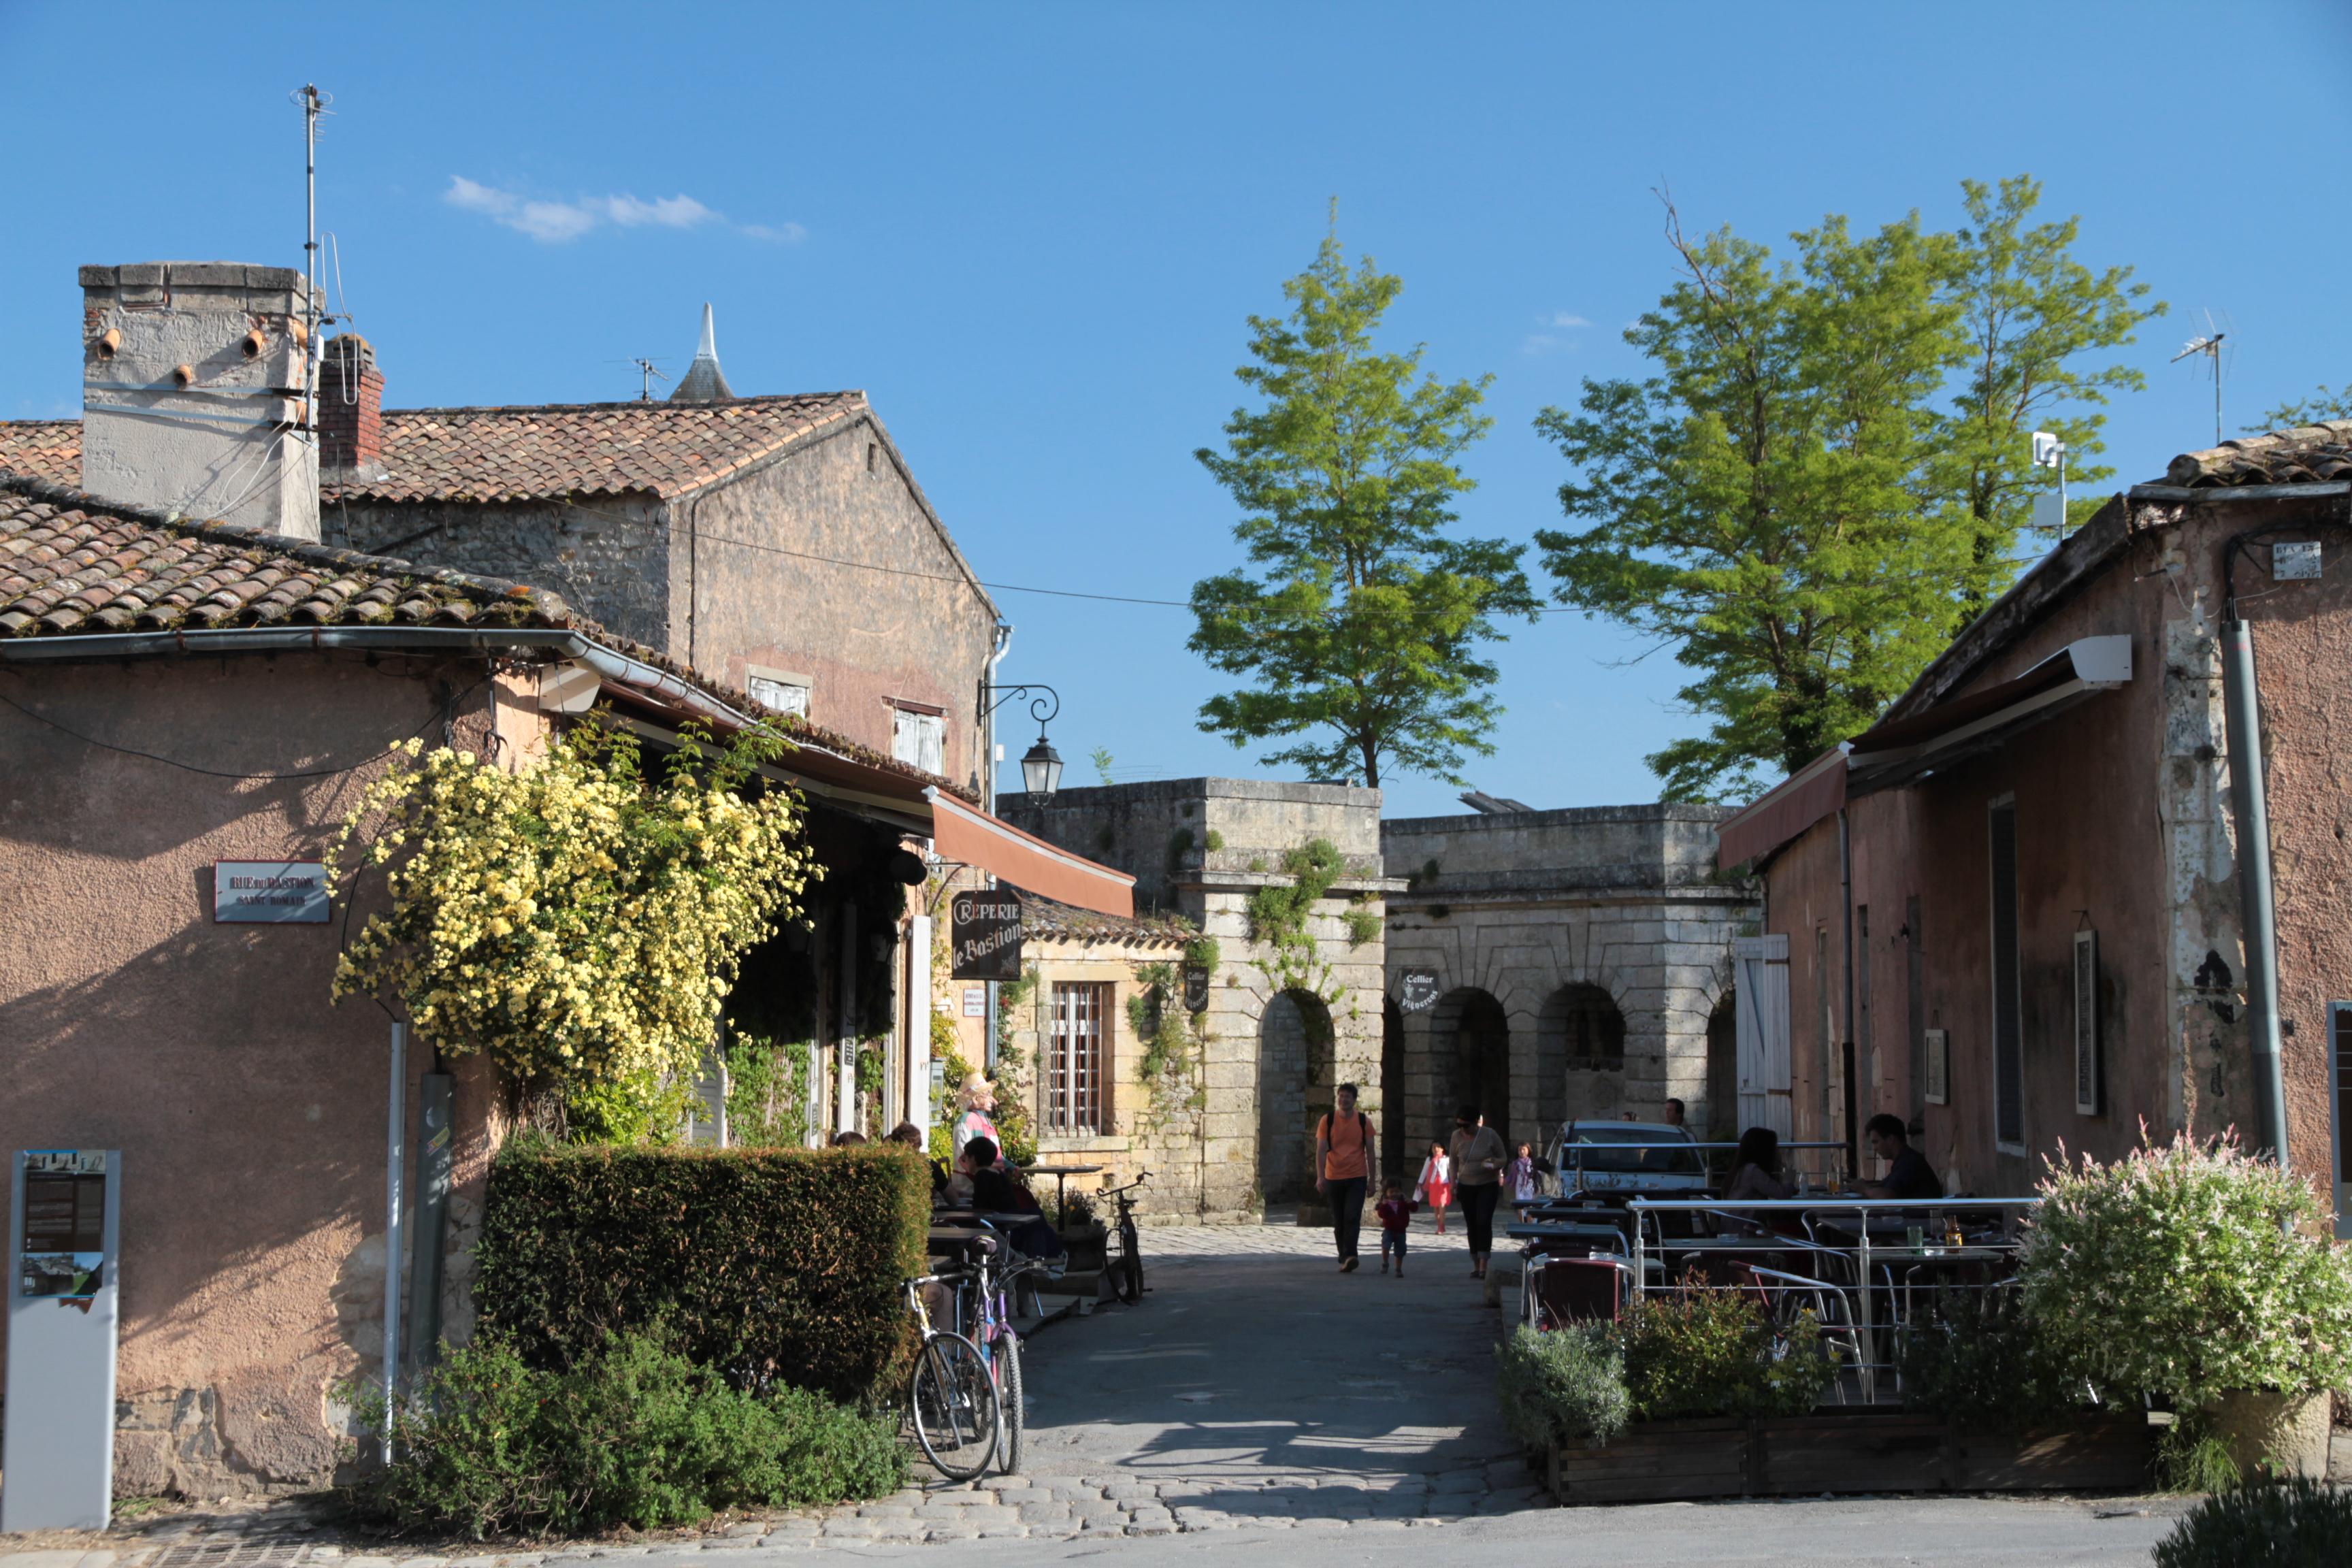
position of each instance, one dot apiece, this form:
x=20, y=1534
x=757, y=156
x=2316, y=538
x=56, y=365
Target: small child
x=1520, y=1174
x=1395, y=1212
x=1437, y=1187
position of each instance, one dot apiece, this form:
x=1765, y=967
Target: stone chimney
x=192, y=393
x=350, y=410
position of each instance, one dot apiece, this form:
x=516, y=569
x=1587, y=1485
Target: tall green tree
x=2321, y=404
x=1827, y=474
x=1358, y=633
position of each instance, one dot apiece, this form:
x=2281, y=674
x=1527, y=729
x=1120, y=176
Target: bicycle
x=990, y=1285
x=1126, y=1270
x=951, y=1399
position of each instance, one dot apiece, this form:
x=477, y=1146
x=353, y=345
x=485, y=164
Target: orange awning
x=968, y=834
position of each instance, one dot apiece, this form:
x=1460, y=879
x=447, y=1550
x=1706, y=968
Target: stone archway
x=1295, y=1051
x=1582, y=1029
x=1470, y=1042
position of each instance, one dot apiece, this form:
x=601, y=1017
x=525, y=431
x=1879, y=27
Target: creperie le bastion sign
x=985, y=927
x=270, y=892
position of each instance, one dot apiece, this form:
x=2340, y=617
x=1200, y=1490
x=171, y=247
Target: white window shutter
x=1761, y=965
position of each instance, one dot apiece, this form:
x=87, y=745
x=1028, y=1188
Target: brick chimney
x=192, y=393
x=350, y=409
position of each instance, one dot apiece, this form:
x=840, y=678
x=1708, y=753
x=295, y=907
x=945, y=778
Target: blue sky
x=1033, y=232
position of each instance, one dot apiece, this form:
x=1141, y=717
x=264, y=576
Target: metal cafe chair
x=1785, y=1295
x=1564, y=1291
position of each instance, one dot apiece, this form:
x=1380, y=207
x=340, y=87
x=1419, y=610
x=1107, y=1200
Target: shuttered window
x=2007, y=1014
x=1077, y=1099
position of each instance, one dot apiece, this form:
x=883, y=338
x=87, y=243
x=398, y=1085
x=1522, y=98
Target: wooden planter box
x=1661, y=1461
x=1087, y=1246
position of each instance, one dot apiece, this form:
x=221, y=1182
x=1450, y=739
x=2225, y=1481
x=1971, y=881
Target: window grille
x=1077, y=1098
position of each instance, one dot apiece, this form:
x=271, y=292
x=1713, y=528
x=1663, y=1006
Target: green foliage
x=771, y=1266
x=1363, y=925
x=2183, y=1273
x=1278, y=913
x=1156, y=1014
x=2190, y=1458
x=1980, y=1366
x=1100, y=757
x=1714, y=1352
x=1565, y=1387
x=642, y=1109
x=1361, y=636
x=1204, y=952
x=2300, y=1523
x=953, y=1070
x=872, y=1068
x=767, y=1093
x=1179, y=844
x=1213, y=841
x=1829, y=470
x=631, y=1434
x=2321, y=404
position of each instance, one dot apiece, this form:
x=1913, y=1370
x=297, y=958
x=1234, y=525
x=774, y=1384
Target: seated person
x=1908, y=1173
x=995, y=1191
x=908, y=1134
x=1756, y=1169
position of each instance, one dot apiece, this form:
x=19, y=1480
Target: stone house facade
x=1285, y=1025
x=1568, y=963
x=2044, y=907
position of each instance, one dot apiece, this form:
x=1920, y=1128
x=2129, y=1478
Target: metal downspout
x=1846, y=1047
x=987, y=762
x=2249, y=804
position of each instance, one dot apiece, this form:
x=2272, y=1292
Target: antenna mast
x=314, y=103
x=646, y=393
x=2209, y=345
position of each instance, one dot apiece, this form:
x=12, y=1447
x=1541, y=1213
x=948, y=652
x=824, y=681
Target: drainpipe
x=2249, y=804
x=396, y=1160
x=988, y=761
x=1845, y=898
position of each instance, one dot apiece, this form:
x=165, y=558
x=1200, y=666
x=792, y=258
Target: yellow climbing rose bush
x=580, y=921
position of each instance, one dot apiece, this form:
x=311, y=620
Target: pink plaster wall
x=249, y=1111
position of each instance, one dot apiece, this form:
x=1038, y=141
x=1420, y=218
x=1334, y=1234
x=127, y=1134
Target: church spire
x=704, y=382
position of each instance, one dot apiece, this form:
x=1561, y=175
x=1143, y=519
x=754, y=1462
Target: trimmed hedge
x=767, y=1266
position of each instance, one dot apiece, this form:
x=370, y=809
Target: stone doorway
x=1472, y=1044
x=1583, y=1031
x=1294, y=1084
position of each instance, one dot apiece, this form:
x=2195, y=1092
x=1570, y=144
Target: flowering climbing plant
x=579, y=920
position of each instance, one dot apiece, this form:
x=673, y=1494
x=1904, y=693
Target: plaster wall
x=1625, y=899
x=2124, y=826
x=250, y=1111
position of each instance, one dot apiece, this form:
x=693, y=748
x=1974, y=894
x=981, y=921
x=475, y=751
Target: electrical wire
x=217, y=774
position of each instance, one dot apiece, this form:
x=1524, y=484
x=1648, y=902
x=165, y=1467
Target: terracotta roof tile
x=2309, y=454
x=525, y=452
x=70, y=563
x=1047, y=919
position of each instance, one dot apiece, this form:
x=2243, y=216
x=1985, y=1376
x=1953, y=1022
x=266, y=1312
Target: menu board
x=64, y=1225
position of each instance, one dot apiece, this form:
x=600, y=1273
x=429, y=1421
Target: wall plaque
x=985, y=929
x=1196, y=988
x=1417, y=990
x=272, y=892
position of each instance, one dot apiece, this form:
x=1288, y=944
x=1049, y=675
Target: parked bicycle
x=989, y=1290
x=951, y=1400
x=1126, y=1270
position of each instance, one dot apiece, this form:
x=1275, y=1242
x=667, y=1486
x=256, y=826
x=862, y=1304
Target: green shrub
x=2191, y=1458
x=1980, y=1366
x=769, y=1265
x=2184, y=1272
x=1714, y=1352
x=630, y=1434
x=2300, y=1523
x=1565, y=1387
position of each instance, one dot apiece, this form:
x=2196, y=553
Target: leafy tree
x=2321, y=404
x=1361, y=634
x=1827, y=474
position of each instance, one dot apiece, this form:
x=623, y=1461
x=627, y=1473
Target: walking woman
x=1478, y=1161
x=1436, y=1185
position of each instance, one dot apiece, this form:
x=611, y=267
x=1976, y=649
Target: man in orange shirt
x=1343, y=1162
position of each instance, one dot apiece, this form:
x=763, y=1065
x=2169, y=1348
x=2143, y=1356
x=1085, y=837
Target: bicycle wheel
x=1126, y=1272
x=954, y=1405
x=1012, y=1413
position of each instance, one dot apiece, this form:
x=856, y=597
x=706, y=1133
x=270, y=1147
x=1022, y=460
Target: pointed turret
x=704, y=382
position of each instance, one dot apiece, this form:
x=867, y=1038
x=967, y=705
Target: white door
x=1762, y=965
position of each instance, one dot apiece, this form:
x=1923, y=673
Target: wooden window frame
x=1078, y=1058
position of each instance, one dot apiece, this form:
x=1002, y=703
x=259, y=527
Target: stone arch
x=1722, y=1122
x=1470, y=1042
x=1296, y=1046
x=1581, y=1047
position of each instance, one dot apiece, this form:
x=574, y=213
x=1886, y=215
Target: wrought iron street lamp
x=1041, y=766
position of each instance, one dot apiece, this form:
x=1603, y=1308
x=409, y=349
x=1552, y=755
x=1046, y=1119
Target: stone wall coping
x=1549, y=881
x=1224, y=789
x=1192, y=877
x=1561, y=816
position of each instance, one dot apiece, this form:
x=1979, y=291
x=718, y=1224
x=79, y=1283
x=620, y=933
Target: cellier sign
x=985, y=927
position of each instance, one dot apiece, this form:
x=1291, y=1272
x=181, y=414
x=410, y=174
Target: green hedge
x=769, y=1266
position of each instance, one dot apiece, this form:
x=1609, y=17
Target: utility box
x=57, y=1464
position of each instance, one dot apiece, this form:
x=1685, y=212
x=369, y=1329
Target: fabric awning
x=968, y=834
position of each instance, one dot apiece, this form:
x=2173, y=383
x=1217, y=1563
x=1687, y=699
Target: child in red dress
x=1395, y=1212
x=1436, y=1185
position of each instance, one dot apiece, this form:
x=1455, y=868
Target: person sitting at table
x=977, y=1097
x=1908, y=1174
x=908, y=1134
x=995, y=1192
x=1756, y=1169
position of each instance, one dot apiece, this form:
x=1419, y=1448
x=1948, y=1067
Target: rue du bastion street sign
x=272, y=892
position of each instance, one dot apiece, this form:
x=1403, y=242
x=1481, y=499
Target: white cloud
x=1565, y=319
x=554, y=223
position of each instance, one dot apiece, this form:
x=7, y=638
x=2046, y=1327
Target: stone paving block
x=1455, y=1483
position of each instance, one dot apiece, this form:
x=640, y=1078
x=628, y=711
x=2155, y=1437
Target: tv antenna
x=313, y=104
x=648, y=375
x=2212, y=347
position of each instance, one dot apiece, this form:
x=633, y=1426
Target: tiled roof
x=1048, y=921
x=42, y=449
x=71, y=565
x=528, y=452
x=2308, y=454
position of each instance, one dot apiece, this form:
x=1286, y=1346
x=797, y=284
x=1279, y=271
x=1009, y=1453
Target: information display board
x=64, y=1233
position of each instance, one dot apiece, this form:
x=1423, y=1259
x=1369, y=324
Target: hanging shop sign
x=270, y=892
x=985, y=927
x=1196, y=988
x=1417, y=990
